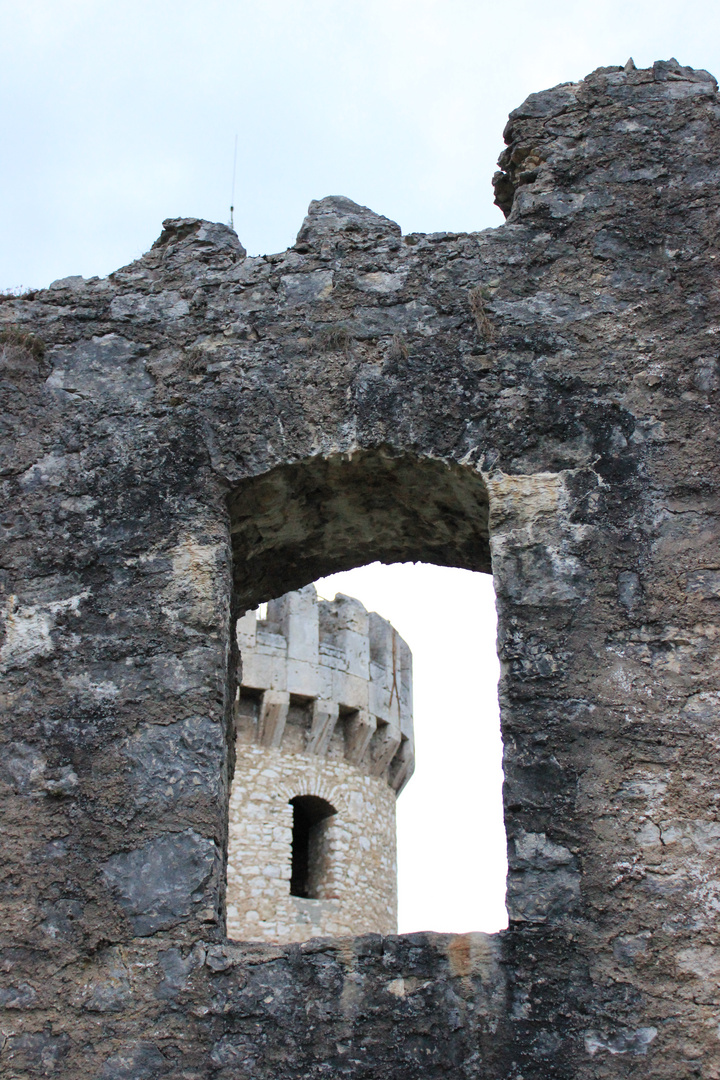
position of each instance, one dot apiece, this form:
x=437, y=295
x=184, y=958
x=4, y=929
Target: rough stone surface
x=205, y=431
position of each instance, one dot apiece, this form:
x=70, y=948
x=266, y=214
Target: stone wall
x=359, y=886
x=201, y=432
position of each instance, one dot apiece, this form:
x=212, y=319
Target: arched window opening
x=310, y=855
x=325, y=520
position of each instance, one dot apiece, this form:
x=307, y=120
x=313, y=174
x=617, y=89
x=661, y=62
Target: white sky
x=119, y=113
x=451, y=840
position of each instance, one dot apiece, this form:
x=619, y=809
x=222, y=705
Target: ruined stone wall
x=201, y=432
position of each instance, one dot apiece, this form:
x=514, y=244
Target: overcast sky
x=451, y=840
x=119, y=113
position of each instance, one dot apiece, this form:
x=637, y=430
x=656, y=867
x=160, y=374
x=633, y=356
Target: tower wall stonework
x=202, y=431
x=360, y=884
x=325, y=709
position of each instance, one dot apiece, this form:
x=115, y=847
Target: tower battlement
x=329, y=666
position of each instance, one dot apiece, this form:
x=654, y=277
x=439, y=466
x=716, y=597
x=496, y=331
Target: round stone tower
x=324, y=746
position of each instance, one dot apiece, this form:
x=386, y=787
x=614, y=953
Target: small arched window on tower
x=310, y=850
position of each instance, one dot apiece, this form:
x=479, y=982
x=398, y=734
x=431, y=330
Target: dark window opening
x=308, y=848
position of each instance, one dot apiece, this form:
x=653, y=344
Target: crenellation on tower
x=324, y=746
x=346, y=664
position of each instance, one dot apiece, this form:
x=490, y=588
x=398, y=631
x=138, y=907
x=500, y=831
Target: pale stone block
x=350, y=690
x=325, y=680
x=245, y=631
x=379, y=695
x=344, y=623
x=303, y=678
x=299, y=622
x=269, y=642
x=273, y=715
x=262, y=671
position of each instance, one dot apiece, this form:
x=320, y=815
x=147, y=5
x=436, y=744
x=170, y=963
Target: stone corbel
x=360, y=727
x=383, y=747
x=402, y=766
x=324, y=719
x=273, y=716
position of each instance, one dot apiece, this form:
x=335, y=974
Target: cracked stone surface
x=203, y=431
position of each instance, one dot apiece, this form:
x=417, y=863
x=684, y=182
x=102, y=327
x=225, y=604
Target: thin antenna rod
x=232, y=193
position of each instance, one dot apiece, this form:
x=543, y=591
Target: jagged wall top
x=544, y=143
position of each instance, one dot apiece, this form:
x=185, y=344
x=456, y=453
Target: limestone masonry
x=201, y=432
x=324, y=714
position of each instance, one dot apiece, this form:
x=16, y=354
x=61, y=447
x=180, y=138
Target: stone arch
x=317, y=786
x=312, y=517
x=298, y=522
